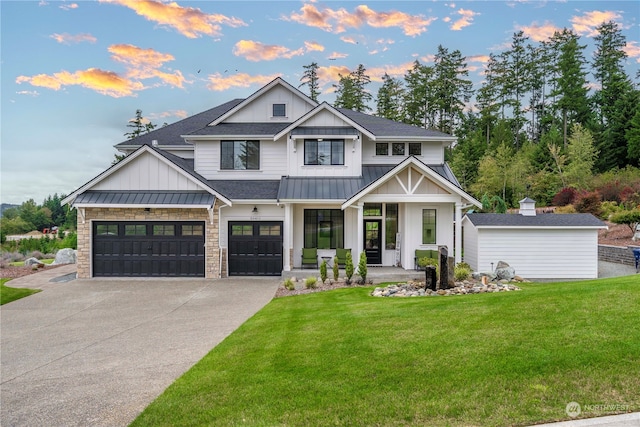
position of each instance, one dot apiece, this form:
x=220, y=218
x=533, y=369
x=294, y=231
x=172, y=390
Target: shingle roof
x=542, y=220
x=382, y=127
x=171, y=134
x=145, y=198
x=246, y=189
x=266, y=129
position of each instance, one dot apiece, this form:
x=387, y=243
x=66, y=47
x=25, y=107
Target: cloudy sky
x=73, y=73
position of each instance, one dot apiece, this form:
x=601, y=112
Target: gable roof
x=442, y=179
x=322, y=107
x=239, y=129
x=278, y=81
x=171, y=135
x=177, y=163
x=493, y=220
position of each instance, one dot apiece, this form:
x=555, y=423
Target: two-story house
x=242, y=188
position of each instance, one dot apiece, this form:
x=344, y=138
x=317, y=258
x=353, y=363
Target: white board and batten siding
x=273, y=161
x=148, y=172
x=261, y=109
x=432, y=153
x=534, y=253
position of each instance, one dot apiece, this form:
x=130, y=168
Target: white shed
x=545, y=246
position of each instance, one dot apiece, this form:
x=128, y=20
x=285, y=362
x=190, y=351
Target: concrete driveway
x=97, y=352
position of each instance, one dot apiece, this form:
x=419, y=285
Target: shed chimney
x=527, y=207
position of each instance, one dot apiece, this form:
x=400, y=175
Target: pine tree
x=139, y=125
x=389, y=98
x=310, y=79
x=351, y=92
x=570, y=82
x=633, y=139
x=415, y=96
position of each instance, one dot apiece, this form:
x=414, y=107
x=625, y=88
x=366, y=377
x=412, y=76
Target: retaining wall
x=617, y=254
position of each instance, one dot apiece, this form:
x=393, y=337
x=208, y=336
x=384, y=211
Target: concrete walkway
x=97, y=352
x=624, y=420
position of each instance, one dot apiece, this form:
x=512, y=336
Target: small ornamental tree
x=362, y=267
x=323, y=271
x=630, y=218
x=336, y=271
x=348, y=267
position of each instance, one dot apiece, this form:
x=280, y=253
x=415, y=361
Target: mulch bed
x=12, y=272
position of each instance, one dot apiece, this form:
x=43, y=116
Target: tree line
x=535, y=125
x=30, y=216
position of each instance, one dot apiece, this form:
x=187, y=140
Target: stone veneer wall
x=212, y=250
x=617, y=254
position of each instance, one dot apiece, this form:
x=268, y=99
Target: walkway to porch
x=375, y=274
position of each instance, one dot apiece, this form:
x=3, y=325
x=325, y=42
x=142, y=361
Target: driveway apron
x=97, y=352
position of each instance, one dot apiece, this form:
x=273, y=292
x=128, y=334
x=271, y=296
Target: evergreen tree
x=139, y=125
x=415, y=98
x=615, y=97
x=633, y=139
x=389, y=98
x=351, y=91
x=517, y=83
x=310, y=79
x=451, y=89
x=570, y=82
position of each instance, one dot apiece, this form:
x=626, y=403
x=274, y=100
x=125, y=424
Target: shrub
x=336, y=269
x=323, y=271
x=609, y=208
x=423, y=262
x=589, y=203
x=289, y=285
x=629, y=218
x=463, y=264
x=461, y=273
x=362, y=267
x=310, y=282
x=564, y=197
x=348, y=267
x=36, y=255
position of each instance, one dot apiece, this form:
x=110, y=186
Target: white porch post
x=287, y=233
x=359, y=245
x=458, y=240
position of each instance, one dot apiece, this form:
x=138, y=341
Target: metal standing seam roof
x=541, y=220
x=144, y=198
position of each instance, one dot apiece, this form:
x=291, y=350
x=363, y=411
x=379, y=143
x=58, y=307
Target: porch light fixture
x=255, y=210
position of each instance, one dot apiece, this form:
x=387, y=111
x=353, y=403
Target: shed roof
x=145, y=198
x=492, y=220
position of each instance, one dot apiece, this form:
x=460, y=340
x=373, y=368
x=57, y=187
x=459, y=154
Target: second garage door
x=170, y=249
x=255, y=248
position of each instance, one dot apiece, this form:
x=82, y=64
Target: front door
x=373, y=240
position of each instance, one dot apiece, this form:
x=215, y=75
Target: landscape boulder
x=504, y=271
x=33, y=261
x=65, y=256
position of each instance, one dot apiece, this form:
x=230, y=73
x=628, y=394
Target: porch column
x=458, y=241
x=359, y=245
x=287, y=232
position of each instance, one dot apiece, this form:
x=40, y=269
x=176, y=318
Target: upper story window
x=382, y=149
x=240, y=155
x=279, y=110
x=397, y=149
x=324, y=151
x=415, y=149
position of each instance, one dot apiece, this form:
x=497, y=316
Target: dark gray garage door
x=170, y=249
x=255, y=248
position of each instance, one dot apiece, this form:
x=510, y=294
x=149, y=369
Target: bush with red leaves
x=589, y=203
x=565, y=197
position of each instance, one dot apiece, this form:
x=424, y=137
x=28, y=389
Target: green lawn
x=345, y=358
x=8, y=294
